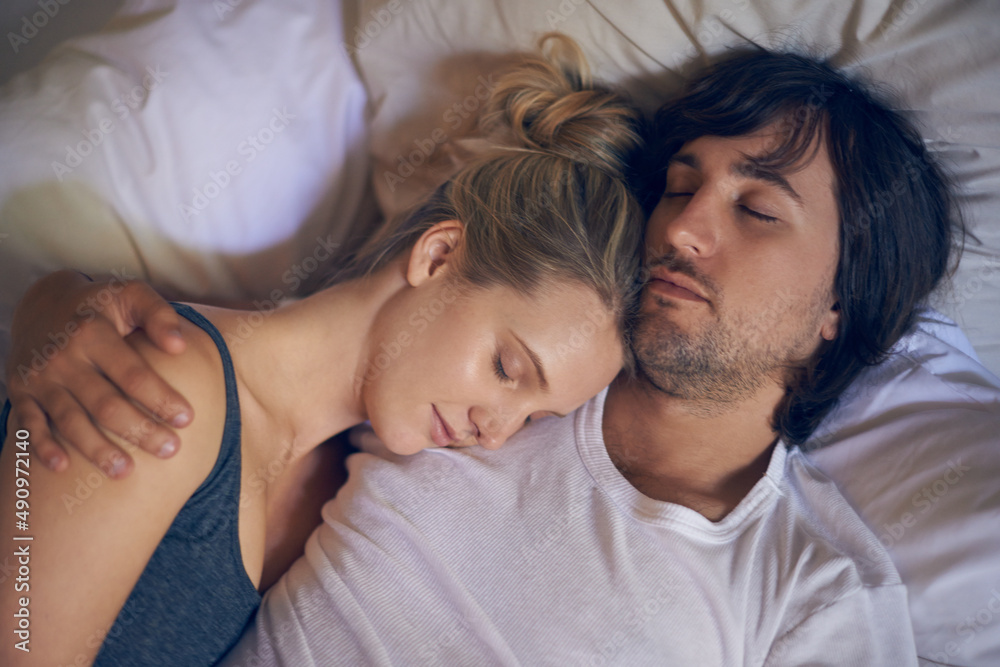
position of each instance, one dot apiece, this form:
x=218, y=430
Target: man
x=666, y=522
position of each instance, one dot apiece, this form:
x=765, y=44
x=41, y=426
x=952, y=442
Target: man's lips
x=441, y=432
x=677, y=285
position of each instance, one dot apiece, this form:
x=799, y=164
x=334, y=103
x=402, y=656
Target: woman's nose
x=496, y=424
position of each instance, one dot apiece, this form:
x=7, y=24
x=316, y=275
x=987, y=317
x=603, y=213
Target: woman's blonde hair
x=548, y=198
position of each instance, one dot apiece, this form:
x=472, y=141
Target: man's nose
x=695, y=229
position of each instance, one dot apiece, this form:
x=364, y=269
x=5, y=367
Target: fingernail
x=167, y=449
x=175, y=332
x=53, y=462
x=180, y=420
x=117, y=462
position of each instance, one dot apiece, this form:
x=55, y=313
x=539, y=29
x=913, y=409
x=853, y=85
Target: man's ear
x=434, y=252
x=831, y=322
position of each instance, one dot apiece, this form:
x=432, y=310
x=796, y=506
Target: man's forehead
x=794, y=143
x=766, y=155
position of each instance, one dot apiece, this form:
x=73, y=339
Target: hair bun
x=549, y=103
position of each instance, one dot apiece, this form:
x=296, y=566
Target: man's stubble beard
x=722, y=362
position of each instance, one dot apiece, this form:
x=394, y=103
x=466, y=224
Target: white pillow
x=915, y=447
x=923, y=417
x=213, y=148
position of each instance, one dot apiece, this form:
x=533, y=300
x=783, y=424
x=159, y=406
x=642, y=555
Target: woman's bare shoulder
x=91, y=533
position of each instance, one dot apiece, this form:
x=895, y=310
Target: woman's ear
x=434, y=251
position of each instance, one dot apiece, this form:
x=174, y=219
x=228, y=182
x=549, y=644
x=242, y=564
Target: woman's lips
x=440, y=431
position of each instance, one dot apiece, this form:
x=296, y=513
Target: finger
x=142, y=307
x=72, y=424
x=163, y=326
x=126, y=369
x=165, y=334
x=30, y=417
x=115, y=413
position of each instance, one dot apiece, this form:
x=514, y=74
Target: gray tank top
x=194, y=598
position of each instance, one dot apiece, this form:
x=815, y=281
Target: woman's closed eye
x=498, y=369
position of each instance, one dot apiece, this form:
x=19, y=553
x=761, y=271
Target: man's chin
x=702, y=366
x=666, y=325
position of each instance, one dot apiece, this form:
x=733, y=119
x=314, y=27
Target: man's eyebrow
x=749, y=169
x=536, y=360
x=685, y=159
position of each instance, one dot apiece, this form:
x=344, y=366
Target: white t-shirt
x=541, y=553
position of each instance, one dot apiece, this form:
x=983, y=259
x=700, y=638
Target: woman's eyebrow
x=536, y=361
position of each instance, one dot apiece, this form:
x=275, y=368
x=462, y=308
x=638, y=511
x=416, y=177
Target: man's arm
x=71, y=372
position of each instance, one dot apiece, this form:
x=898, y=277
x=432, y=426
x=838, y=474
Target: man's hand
x=70, y=369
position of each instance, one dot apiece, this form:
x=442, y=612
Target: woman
x=501, y=298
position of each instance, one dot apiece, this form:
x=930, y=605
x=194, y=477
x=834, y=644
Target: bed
x=221, y=150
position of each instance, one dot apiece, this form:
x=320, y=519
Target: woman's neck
x=299, y=367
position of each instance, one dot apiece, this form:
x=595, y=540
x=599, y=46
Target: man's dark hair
x=898, y=218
